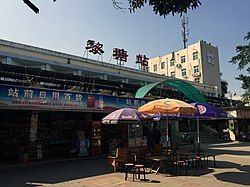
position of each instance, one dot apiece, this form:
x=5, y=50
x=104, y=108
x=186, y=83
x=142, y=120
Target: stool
x=128, y=167
x=198, y=160
x=210, y=155
x=180, y=164
x=137, y=170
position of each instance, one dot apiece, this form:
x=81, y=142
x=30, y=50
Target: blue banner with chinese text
x=39, y=98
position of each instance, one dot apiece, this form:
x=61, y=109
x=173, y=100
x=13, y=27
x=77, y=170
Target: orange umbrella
x=167, y=106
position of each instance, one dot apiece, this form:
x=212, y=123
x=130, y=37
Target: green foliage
x=224, y=86
x=245, y=81
x=243, y=56
x=246, y=96
x=243, y=61
x=165, y=7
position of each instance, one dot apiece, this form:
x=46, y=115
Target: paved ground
x=232, y=169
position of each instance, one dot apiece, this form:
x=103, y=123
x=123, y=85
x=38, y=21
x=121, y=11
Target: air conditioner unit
x=178, y=65
x=197, y=74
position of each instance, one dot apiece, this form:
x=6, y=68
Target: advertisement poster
x=83, y=144
x=38, y=98
x=33, y=128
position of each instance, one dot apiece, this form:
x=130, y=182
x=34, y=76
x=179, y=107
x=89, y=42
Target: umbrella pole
x=198, y=134
x=136, y=131
x=167, y=132
x=189, y=131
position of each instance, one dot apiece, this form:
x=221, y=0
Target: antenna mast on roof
x=185, y=30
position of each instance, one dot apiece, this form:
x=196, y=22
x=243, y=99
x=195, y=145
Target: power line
x=33, y=6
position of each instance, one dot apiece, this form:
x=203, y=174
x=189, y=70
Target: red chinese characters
x=142, y=60
x=94, y=47
x=120, y=55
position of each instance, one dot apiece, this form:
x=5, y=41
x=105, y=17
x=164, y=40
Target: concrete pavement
x=232, y=169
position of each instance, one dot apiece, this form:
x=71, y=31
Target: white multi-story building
x=198, y=62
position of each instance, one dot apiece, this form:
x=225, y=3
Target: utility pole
x=185, y=30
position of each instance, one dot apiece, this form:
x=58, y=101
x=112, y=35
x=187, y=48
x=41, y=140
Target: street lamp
x=231, y=94
x=216, y=90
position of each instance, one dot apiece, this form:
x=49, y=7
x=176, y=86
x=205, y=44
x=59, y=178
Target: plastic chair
x=180, y=162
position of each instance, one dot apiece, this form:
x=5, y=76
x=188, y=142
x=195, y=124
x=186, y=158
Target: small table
x=157, y=159
x=129, y=167
x=206, y=155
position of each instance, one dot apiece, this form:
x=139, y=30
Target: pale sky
x=66, y=26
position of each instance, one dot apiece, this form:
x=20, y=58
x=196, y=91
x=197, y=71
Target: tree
x=224, y=88
x=165, y=7
x=243, y=61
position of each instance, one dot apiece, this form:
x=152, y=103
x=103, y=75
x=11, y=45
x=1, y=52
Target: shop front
x=14, y=134
x=240, y=122
x=27, y=135
x=40, y=124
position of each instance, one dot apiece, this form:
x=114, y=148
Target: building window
x=210, y=57
x=172, y=62
x=183, y=59
x=197, y=80
x=195, y=55
x=162, y=65
x=184, y=72
x=155, y=67
x=172, y=74
x=196, y=69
